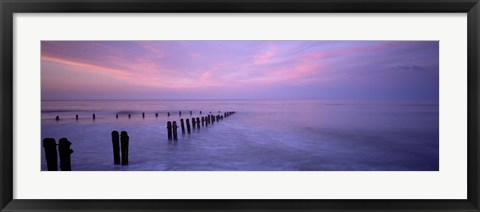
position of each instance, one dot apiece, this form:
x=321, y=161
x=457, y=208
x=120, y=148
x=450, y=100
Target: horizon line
x=226, y=99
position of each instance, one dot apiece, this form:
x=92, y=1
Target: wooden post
x=190, y=112
x=169, y=130
x=203, y=121
x=116, y=147
x=143, y=115
x=64, y=152
x=50, y=153
x=76, y=117
x=200, y=112
x=168, y=113
x=180, y=113
x=198, y=123
x=116, y=116
x=193, y=123
x=93, y=116
x=124, y=141
x=188, y=126
x=175, y=130
x=57, y=118
x=129, y=115
x=156, y=115
x=183, y=126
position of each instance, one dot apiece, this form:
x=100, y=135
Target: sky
x=115, y=70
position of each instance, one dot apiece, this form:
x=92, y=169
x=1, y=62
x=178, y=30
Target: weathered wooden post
x=188, y=126
x=168, y=113
x=175, y=130
x=93, y=116
x=198, y=123
x=200, y=112
x=129, y=115
x=76, y=117
x=124, y=141
x=193, y=123
x=116, y=147
x=57, y=118
x=116, y=116
x=50, y=148
x=156, y=115
x=143, y=115
x=180, y=113
x=64, y=152
x=169, y=130
x=203, y=121
x=183, y=126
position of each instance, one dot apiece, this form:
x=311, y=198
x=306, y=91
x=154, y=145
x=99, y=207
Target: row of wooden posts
x=120, y=141
x=64, y=152
x=130, y=115
x=204, y=121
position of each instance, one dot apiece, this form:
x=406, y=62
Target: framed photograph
x=239, y=105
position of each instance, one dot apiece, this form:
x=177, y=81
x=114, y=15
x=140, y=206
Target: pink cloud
x=263, y=58
x=87, y=66
x=150, y=46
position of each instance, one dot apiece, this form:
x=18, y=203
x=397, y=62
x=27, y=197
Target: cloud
x=88, y=67
x=216, y=66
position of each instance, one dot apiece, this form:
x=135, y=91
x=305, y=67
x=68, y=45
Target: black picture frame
x=9, y=7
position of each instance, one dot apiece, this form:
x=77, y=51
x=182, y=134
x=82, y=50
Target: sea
x=262, y=135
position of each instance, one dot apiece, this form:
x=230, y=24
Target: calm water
x=264, y=135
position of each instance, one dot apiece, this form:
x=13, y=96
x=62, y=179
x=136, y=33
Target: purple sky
x=80, y=70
